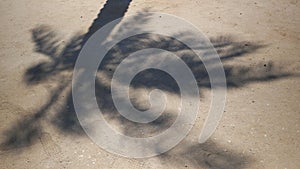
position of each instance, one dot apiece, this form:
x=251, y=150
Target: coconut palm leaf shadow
x=61, y=59
x=62, y=56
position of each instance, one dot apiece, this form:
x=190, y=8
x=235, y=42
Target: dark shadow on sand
x=62, y=56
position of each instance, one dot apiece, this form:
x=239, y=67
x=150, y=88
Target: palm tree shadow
x=62, y=56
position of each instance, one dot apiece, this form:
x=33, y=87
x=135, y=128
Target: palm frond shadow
x=207, y=155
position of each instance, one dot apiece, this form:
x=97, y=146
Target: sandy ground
x=261, y=123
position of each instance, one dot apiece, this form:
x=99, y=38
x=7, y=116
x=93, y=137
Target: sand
x=259, y=44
